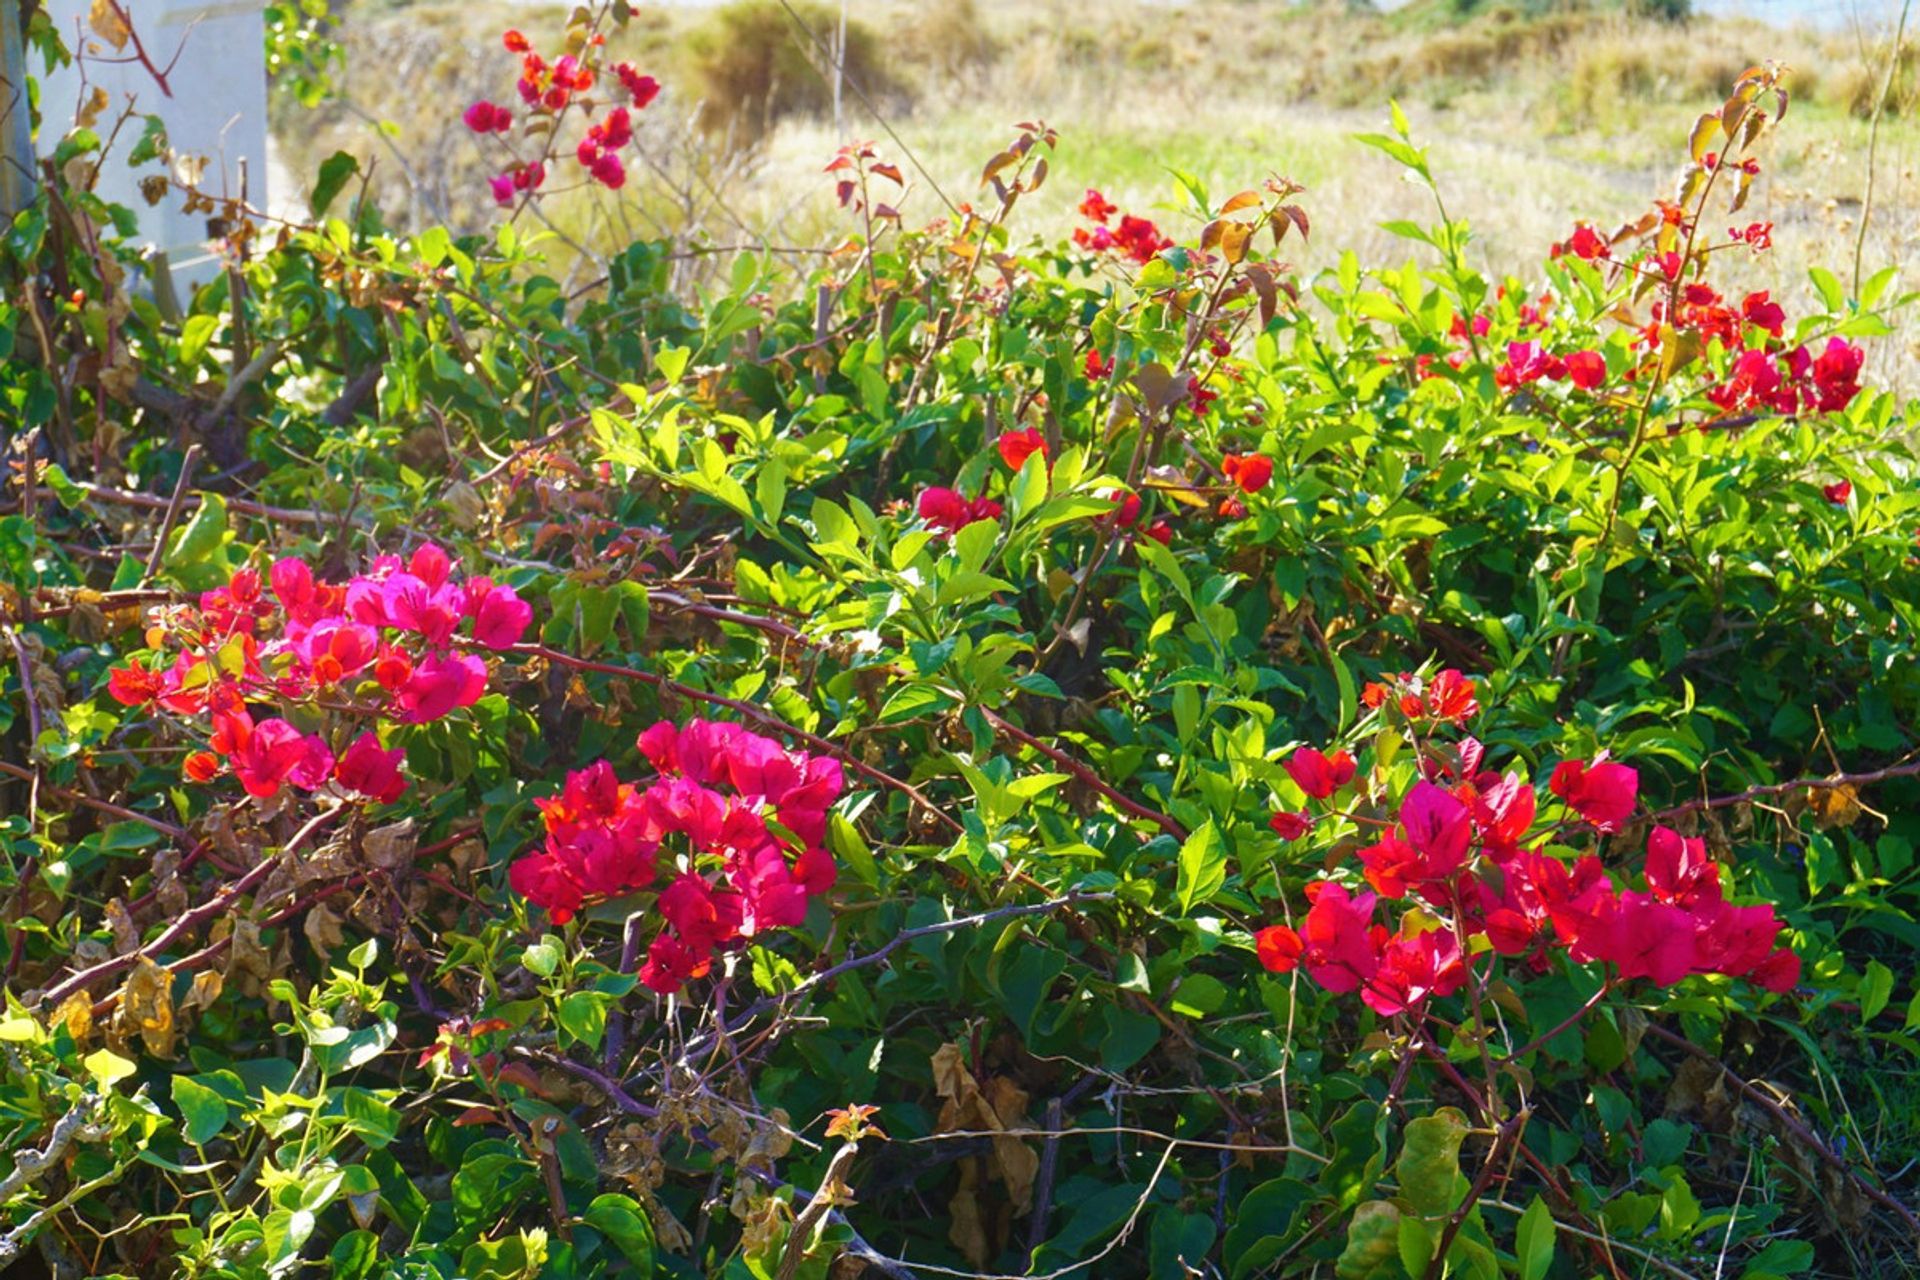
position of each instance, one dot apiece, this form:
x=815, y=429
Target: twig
x=191, y=920
x=1908, y=770
x=152, y=502
x=751, y=711
x=1043, y=1181
x=861, y=94
x=1791, y=1125
x=1086, y=775
x=1873, y=138
x=29, y=1164
x=180, y=487
x=818, y=1206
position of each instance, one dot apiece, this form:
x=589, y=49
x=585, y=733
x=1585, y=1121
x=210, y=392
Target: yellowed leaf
x=146, y=1007
x=108, y=23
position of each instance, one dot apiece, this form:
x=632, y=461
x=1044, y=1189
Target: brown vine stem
x=1786, y=1121
x=1910, y=769
x=191, y=920
x=1086, y=775
x=152, y=502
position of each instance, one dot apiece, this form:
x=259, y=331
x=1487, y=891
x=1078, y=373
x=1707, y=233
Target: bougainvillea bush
x=952, y=755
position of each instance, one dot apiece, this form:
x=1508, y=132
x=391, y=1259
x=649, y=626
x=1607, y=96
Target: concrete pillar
x=16, y=136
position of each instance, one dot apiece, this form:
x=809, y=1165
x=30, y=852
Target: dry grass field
x=1534, y=120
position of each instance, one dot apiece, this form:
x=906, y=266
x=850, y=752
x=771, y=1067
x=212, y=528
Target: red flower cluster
x=1459, y=851
x=717, y=824
x=1825, y=383
x=1585, y=243
x=949, y=512
x=549, y=89
x=485, y=117
x=388, y=639
x=1448, y=697
x=1136, y=238
x=641, y=90
x=598, y=152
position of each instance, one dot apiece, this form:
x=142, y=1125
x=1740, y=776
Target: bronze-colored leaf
x=1835, y=806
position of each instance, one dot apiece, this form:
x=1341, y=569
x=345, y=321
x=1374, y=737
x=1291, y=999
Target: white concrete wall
x=218, y=108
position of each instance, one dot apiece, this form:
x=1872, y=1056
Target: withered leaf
x=391, y=847
x=322, y=928
x=105, y=20
x=1834, y=806
x=146, y=1007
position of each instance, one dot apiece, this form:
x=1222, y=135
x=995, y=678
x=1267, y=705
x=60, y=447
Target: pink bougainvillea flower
x=440, y=684
x=1503, y=811
x=1586, y=243
x=271, y=754
x=1290, y=826
x=1200, y=396
x=609, y=172
x=1320, y=775
x=500, y=616
x=1836, y=375
x=1278, y=948
x=1449, y=696
x=134, y=686
x=1339, y=947
x=641, y=90
x=947, y=511
x=1096, y=207
x=1438, y=826
x=1602, y=792
x=1680, y=871
x=736, y=819
x=1762, y=313
x=671, y=963
x=1414, y=969
x=366, y=769
x=486, y=117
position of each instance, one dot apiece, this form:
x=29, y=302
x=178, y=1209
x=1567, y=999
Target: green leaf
x=1876, y=987
x=327, y=184
x=543, y=957
x=583, y=1015
x=624, y=1222
x=1429, y=1163
x=1203, y=867
x=1533, y=1245
x=1029, y=488
x=197, y=556
x=1373, y=1244
x=106, y=1067
x=195, y=333
x=203, y=1112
